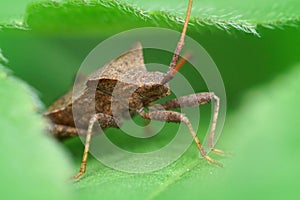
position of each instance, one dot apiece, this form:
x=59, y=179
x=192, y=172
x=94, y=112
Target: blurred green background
x=256, y=46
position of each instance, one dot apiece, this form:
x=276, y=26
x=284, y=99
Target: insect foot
x=221, y=153
x=210, y=160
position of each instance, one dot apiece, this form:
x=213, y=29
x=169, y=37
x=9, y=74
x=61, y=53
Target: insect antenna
x=173, y=68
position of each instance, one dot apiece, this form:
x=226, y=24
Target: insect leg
x=148, y=130
x=105, y=121
x=195, y=100
x=172, y=116
x=62, y=131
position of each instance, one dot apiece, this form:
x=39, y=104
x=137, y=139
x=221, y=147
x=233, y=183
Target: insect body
x=118, y=78
x=124, y=88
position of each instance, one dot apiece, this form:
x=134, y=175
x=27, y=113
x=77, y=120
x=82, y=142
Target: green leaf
x=12, y=13
x=32, y=164
x=108, y=183
x=264, y=135
x=241, y=15
x=91, y=16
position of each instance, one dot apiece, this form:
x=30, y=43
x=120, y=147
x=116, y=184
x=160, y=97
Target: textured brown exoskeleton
x=127, y=78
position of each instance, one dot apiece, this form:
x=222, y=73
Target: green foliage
x=46, y=44
x=13, y=12
x=264, y=136
x=32, y=165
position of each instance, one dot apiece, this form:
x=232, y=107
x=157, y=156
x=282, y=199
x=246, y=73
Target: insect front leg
x=172, y=116
x=195, y=100
x=105, y=121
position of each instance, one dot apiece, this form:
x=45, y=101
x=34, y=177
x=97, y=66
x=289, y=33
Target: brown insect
x=130, y=74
